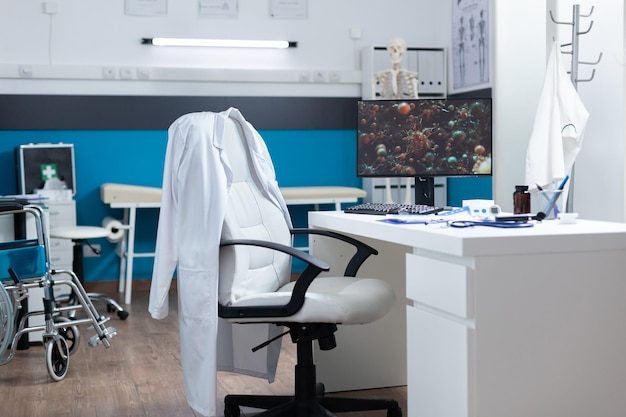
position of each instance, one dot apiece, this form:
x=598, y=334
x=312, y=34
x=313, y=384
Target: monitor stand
x=425, y=190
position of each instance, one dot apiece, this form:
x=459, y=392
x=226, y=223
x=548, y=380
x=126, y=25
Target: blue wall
x=301, y=158
x=324, y=157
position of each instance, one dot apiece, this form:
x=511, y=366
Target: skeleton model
x=396, y=82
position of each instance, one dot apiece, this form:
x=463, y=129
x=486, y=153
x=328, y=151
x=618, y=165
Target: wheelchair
x=25, y=265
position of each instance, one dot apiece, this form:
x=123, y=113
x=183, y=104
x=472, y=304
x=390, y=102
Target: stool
x=79, y=235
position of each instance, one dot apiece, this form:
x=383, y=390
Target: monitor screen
x=424, y=138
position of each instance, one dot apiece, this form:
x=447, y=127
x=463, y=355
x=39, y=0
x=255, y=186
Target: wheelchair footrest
x=107, y=334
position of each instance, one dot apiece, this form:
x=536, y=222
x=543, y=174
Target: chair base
x=309, y=399
x=289, y=406
x=112, y=304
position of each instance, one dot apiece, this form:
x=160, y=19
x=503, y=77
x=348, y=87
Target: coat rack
x=575, y=23
x=576, y=32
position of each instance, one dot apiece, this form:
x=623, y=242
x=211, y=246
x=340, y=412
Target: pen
x=562, y=184
x=552, y=201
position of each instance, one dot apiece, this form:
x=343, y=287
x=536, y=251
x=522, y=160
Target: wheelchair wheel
x=6, y=320
x=57, y=357
x=71, y=334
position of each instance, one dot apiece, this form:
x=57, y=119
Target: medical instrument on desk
x=489, y=223
x=454, y=211
x=520, y=218
x=412, y=220
x=494, y=210
x=457, y=223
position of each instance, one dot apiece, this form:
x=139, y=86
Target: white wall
x=519, y=67
x=599, y=170
x=522, y=33
x=85, y=36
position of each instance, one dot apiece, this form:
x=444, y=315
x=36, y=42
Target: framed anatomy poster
x=470, y=44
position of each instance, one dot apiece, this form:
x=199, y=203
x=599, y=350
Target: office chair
x=255, y=287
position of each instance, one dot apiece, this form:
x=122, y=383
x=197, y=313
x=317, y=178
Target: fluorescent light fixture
x=220, y=43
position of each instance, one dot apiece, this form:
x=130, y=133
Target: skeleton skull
x=396, y=48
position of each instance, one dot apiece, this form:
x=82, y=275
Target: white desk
x=500, y=322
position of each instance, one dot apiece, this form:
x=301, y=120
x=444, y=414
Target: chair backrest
x=250, y=214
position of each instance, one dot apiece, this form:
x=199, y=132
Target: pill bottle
x=521, y=200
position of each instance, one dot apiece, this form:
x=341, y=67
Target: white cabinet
x=58, y=213
x=441, y=346
x=61, y=213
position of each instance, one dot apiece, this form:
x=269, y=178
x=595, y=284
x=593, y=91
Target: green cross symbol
x=48, y=171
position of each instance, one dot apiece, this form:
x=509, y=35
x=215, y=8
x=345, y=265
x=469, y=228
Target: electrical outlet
x=50, y=7
x=305, y=77
x=356, y=33
x=334, y=76
x=143, y=73
x=109, y=73
x=127, y=73
x=26, y=71
x=91, y=251
x=319, y=76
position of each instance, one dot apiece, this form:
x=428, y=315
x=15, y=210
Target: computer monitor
x=424, y=138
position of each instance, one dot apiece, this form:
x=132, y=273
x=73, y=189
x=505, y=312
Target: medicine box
x=37, y=163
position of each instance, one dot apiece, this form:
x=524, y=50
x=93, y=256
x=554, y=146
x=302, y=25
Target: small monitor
x=424, y=138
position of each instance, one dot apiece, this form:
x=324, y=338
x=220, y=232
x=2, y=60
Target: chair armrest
x=313, y=269
x=363, y=251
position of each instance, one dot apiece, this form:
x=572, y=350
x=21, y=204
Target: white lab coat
x=196, y=178
x=557, y=134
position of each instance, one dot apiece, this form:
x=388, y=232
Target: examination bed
x=133, y=197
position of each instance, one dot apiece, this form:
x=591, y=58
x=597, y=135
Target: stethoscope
x=461, y=224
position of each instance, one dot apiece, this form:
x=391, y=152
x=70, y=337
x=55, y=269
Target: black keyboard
x=392, y=208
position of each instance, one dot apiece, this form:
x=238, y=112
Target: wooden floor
x=140, y=375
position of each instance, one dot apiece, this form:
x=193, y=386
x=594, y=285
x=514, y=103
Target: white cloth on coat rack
x=558, y=131
x=196, y=179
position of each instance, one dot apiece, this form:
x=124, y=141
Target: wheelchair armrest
x=313, y=269
x=12, y=204
x=363, y=251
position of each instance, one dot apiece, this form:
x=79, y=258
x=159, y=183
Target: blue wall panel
x=301, y=158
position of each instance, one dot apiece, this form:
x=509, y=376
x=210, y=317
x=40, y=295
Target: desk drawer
x=439, y=373
x=439, y=284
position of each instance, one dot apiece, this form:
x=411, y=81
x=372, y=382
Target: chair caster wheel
x=123, y=315
x=232, y=411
